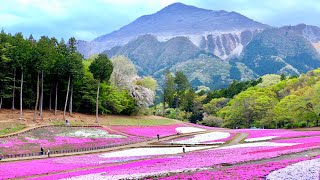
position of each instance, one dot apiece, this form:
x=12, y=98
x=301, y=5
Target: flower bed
x=151, y=151
x=205, y=138
x=154, y=161
x=309, y=169
x=267, y=134
x=149, y=131
x=61, y=138
x=182, y=163
x=245, y=172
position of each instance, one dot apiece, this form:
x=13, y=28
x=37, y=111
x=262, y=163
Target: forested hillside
x=51, y=74
x=276, y=102
x=272, y=101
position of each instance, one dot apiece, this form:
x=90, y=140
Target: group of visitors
x=42, y=152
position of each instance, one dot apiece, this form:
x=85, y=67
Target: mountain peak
x=180, y=7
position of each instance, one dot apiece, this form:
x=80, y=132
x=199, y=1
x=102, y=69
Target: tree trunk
x=21, y=86
x=41, y=97
x=70, y=103
x=0, y=102
x=66, y=102
x=50, y=99
x=97, y=103
x=56, y=100
x=37, y=101
x=14, y=88
x=177, y=108
x=164, y=105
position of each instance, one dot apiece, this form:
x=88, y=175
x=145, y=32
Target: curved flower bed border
x=9, y=156
x=69, y=151
x=17, y=134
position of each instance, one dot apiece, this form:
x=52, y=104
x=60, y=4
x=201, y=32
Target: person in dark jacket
x=41, y=151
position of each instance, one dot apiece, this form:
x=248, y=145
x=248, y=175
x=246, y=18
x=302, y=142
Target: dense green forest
x=272, y=101
x=51, y=74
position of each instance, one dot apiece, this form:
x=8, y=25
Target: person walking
x=41, y=151
x=158, y=137
x=49, y=152
x=184, y=149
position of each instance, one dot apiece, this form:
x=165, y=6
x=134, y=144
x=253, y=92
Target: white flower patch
x=90, y=133
x=305, y=170
x=259, y=144
x=201, y=138
x=260, y=138
x=183, y=130
x=151, y=151
x=31, y=138
x=3, y=142
x=105, y=175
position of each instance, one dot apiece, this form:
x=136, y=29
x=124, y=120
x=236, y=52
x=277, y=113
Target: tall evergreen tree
x=101, y=68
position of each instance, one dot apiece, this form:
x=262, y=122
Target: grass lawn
x=12, y=129
x=137, y=121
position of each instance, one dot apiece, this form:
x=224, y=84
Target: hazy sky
x=87, y=19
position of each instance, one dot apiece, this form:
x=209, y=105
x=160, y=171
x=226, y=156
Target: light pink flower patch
x=277, y=133
x=149, y=131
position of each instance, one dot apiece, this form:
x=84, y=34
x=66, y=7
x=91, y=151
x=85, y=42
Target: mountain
x=219, y=32
x=153, y=57
x=289, y=50
x=312, y=33
x=212, y=48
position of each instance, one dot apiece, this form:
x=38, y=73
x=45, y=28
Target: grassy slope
x=9, y=120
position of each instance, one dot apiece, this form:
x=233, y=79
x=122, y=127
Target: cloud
x=87, y=19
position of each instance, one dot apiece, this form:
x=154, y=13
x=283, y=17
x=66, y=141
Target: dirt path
x=239, y=137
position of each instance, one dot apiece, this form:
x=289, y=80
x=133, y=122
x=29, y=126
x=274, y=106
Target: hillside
x=152, y=57
x=280, y=50
x=274, y=103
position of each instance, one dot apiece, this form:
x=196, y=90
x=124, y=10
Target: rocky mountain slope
x=219, y=32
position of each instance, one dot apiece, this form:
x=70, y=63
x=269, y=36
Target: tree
x=20, y=56
x=143, y=96
x=248, y=108
x=101, y=68
x=5, y=60
x=169, y=90
x=74, y=71
x=182, y=85
x=123, y=72
x=215, y=105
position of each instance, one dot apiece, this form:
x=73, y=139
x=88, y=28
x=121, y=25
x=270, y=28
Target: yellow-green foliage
x=269, y=79
x=288, y=103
